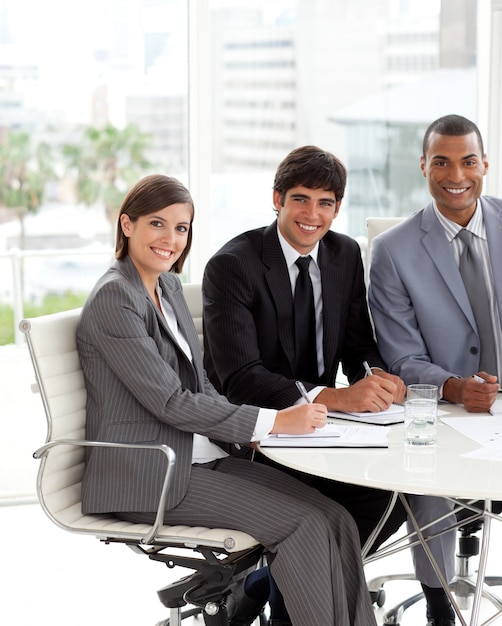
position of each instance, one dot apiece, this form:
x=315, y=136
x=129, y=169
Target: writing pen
x=303, y=391
x=367, y=369
x=478, y=379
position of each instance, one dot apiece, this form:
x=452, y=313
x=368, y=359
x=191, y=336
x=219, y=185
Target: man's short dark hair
x=313, y=168
x=452, y=125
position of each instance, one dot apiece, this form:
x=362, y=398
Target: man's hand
x=300, y=420
x=373, y=393
x=477, y=397
x=400, y=392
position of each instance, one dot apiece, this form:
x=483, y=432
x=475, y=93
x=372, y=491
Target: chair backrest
x=53, y=346
x=193, y=296
x=375, y=226
x=53, y=350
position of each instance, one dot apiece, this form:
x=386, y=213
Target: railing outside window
x=19, y=284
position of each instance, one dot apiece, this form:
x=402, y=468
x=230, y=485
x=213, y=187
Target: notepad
x=333, y=436
x=393, y=415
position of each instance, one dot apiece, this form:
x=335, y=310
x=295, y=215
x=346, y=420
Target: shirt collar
x=476, y=225
x=290, y=254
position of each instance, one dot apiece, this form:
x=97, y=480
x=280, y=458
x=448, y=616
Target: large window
x=217, y=92
x=361, y=78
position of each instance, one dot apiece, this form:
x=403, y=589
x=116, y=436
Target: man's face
x=454, y=168
x=306, y=216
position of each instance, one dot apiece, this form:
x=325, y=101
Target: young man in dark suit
x=251, y=346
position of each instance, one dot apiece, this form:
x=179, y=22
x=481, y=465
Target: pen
x=367, y=369
x=303, y=391
x=478, y=379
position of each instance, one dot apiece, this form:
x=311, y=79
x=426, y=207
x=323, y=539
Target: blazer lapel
x=330, y=267
x=492, y=215
x=435, y=242
x=277, y=277
x=173, y=292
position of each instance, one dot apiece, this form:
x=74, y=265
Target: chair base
x=208, y=587
x=462, y=587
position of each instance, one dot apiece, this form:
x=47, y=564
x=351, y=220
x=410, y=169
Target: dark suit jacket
x=142, y=388
x=249, y=350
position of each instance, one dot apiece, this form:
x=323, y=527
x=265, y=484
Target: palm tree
x=25, y=171
x=106, y=163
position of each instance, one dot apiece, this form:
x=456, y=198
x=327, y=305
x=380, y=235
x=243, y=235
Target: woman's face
x=157, y=240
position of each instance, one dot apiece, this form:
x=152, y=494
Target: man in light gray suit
x=425, y=324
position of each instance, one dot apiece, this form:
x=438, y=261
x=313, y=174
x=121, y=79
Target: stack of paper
x=333, y=436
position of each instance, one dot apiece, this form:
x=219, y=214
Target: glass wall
x=216, y=92
x=93, y=95
x=361, y=78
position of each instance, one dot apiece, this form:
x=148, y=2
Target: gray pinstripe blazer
x=142, y=388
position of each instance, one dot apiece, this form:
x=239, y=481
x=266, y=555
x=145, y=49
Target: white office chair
x=193, y=296
x=375, y=226
x=227, y=554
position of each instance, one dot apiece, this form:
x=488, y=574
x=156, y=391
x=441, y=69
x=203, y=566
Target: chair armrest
x=169, y=453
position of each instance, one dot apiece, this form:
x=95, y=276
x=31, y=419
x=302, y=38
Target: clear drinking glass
x=420, y=415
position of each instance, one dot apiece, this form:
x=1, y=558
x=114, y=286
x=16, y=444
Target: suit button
x=473, y=350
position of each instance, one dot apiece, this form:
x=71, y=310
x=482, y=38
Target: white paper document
x=486, y=430
x=333, y=436
x=485, y=454
x=393, y=415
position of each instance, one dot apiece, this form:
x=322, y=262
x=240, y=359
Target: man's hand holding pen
x=376, y=392
x=477, y=393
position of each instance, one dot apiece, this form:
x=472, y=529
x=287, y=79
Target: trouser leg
x=317, y=563
x=366, y=506
x=425, y=509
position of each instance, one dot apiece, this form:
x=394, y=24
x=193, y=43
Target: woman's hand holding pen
x=300, y=419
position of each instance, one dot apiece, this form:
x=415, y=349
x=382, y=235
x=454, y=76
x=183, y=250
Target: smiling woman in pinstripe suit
x=146, y=383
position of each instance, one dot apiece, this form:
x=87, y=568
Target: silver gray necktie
x=471, y=270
